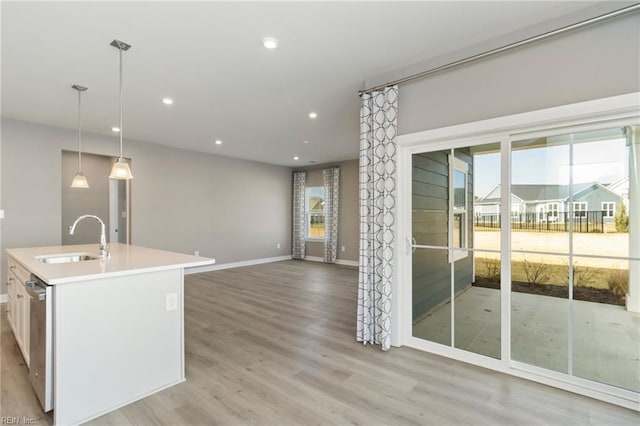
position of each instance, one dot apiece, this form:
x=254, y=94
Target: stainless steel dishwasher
x=40, y=341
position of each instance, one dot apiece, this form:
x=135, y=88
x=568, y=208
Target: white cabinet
x=18, y=304
x=12, y=284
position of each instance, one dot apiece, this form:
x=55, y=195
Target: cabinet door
x=11, y=309
x=11, y=301
x=26, y=330
x=22, y=331
x=18, y=315
x=19, y=309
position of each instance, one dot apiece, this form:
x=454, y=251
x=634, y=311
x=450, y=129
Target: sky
x=603, y=162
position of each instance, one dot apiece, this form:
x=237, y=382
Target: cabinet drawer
x=19, y=272
x=12, y=283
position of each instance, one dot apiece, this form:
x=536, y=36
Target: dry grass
x=586, y=276
x=618, y=282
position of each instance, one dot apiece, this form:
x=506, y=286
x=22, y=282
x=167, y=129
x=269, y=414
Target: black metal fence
x=583, y=221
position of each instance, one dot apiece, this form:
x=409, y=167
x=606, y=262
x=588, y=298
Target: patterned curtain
x=378, y=199
x=331, y=180
x=298, y=245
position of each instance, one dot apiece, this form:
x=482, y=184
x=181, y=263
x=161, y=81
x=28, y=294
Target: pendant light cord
x=121, y=102
x=79, y=132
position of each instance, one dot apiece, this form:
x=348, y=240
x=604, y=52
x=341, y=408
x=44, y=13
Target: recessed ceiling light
x=296, y=158
x=167, y=101
x=270, y=42
x=115, y=129
x=218, y=142
x=313, y=115
x=305, y=141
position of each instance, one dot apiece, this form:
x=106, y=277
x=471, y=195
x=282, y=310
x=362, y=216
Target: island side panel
x=115, y=342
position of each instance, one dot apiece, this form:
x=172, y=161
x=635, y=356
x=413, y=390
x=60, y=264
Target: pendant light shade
x=121, y=170
x=79, y=180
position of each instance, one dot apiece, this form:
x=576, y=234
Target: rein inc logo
x=11, y=420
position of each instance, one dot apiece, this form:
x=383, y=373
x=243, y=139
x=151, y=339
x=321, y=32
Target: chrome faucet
x=104, y=252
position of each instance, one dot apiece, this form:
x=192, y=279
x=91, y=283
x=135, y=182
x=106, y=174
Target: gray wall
x=349, y=214
x=78, y=201
x=599, y=61
x=228, y=209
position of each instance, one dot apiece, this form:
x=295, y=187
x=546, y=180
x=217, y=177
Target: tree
x=622, y=219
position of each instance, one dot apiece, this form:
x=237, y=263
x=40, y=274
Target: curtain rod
x=497, y=50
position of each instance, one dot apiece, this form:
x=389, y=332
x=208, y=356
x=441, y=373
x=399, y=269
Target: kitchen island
x=116, y=324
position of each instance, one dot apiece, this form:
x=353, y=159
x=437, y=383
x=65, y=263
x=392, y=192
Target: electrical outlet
x=197, y=253
x=171, y=303
x=342, y=249
x=1, y=214
x=278, y=245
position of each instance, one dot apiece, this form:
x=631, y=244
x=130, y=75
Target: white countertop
x=124, y=260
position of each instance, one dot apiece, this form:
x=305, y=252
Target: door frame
x=115, y=212
x=613, y=111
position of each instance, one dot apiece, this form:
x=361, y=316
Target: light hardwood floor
x=274, y=344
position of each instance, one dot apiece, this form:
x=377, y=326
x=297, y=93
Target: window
x=608, y=209
x=579, y=209
x=541, y=210
x=552, y=212
x=458, y=182
x=314, y=210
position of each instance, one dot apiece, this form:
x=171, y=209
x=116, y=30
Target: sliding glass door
x=536, y=268
x=456, y=272
x=539, y=253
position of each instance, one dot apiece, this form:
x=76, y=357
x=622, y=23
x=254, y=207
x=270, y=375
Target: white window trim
x=580, y=203
x=551, y=213
x=550, y=210
x=613, y=210
x=619, y=110
x=458, y=164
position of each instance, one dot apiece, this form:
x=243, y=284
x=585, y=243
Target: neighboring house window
x=579, y=209
x=314, y=208
x=608, y=209
x=552, y=212
x=458, y=182
x=515, y=209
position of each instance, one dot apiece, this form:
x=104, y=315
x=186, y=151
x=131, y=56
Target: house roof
x=541, y=192
x=489, y=201
x=546, y=192
x=620, y=183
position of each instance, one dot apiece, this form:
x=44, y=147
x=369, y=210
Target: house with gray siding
x=551, y=203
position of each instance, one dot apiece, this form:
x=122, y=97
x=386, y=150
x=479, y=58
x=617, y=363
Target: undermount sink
x=65, y=258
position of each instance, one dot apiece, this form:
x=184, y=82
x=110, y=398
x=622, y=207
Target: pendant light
x=120, y=170
x=79, y=180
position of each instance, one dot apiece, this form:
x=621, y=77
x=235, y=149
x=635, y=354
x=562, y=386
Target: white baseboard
x=3, y=298
x=251, y=262
x=337, y=262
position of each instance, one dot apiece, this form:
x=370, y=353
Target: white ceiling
x=209, y=58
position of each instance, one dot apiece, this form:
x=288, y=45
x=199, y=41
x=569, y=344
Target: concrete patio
x=606, y=338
